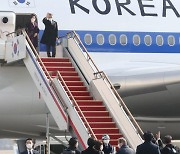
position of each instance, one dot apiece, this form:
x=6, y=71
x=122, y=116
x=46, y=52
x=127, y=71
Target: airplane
x=136, y=43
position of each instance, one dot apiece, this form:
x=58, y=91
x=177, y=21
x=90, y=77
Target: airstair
x=81, y=98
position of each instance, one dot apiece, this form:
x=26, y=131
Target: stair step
x=64, y=73
x=71, y=78
x=83, y=98
x=112, y=136
x=107, y=125
x=79, y=93
x=69, y=73
x=60, y=69
x=76, y=88
x=57, y=64
x=96, y=113
x=99, y=119
x=90, y=102
x=74, y=83
x=105, y=130
x=93, y=108
x=55, y=59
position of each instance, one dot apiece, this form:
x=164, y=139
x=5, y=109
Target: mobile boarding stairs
x=80, y=98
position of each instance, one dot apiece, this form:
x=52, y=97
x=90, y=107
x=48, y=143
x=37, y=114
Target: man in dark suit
x=169, y=148
x=29, y=147
x=147, y=147
x=123, y=147
x=90, y=149
x=50, y=35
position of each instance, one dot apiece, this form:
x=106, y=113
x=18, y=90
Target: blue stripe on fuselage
x=129, y=47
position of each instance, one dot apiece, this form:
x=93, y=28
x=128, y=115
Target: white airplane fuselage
x=135, y=42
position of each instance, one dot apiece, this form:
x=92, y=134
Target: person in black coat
x=50, y=35
x=72, y=149
x=99, y=146
x=29, y=147
x=147, y=147
x=33, y=30
x=123, y=147
x=107, y=147
x=90, y=149
x=169, y=148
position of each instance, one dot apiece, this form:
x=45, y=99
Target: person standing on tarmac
x=107, y=147
x=148, y=147
x=50, y=34
x=72, y=149
x=90, y=149
x=99, y=146
x=29, y=147
x=123, y=147
x=169, y=148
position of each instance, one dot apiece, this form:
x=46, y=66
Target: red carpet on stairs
x=94, y=110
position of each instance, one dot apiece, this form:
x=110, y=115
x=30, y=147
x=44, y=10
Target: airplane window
x=100, y=39
x=112, y=39
x=159, y=40
x=171, y=40
x=136, y=40
x=123, y=39
x=148, y=40
x=88, y=39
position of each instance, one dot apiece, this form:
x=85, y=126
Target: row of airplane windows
x=124, y=40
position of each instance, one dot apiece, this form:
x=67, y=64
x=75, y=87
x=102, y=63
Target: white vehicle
x=135, y=42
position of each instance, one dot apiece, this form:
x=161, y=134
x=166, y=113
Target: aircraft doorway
x=21, y=22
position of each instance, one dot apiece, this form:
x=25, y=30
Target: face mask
x=106, y=141
x=76, y=145
x=29, y=146
x=33, y=20
x=101, y=147
x=50, y=19
x=119, y=145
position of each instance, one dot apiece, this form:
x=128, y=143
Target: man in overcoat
x=50, y=35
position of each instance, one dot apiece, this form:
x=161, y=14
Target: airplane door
x=22, y=20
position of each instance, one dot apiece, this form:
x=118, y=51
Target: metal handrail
x=76, y=105
x=104, y=76
x=122, y=103
x=36, y=54
x=42, y=65
x=84, y=48
x=11, y=33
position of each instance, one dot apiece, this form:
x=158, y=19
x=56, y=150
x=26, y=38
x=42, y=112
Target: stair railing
x=121, y=103
x=104, y=77
x=90, y=131
x=1, y=33
x=38, y=58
